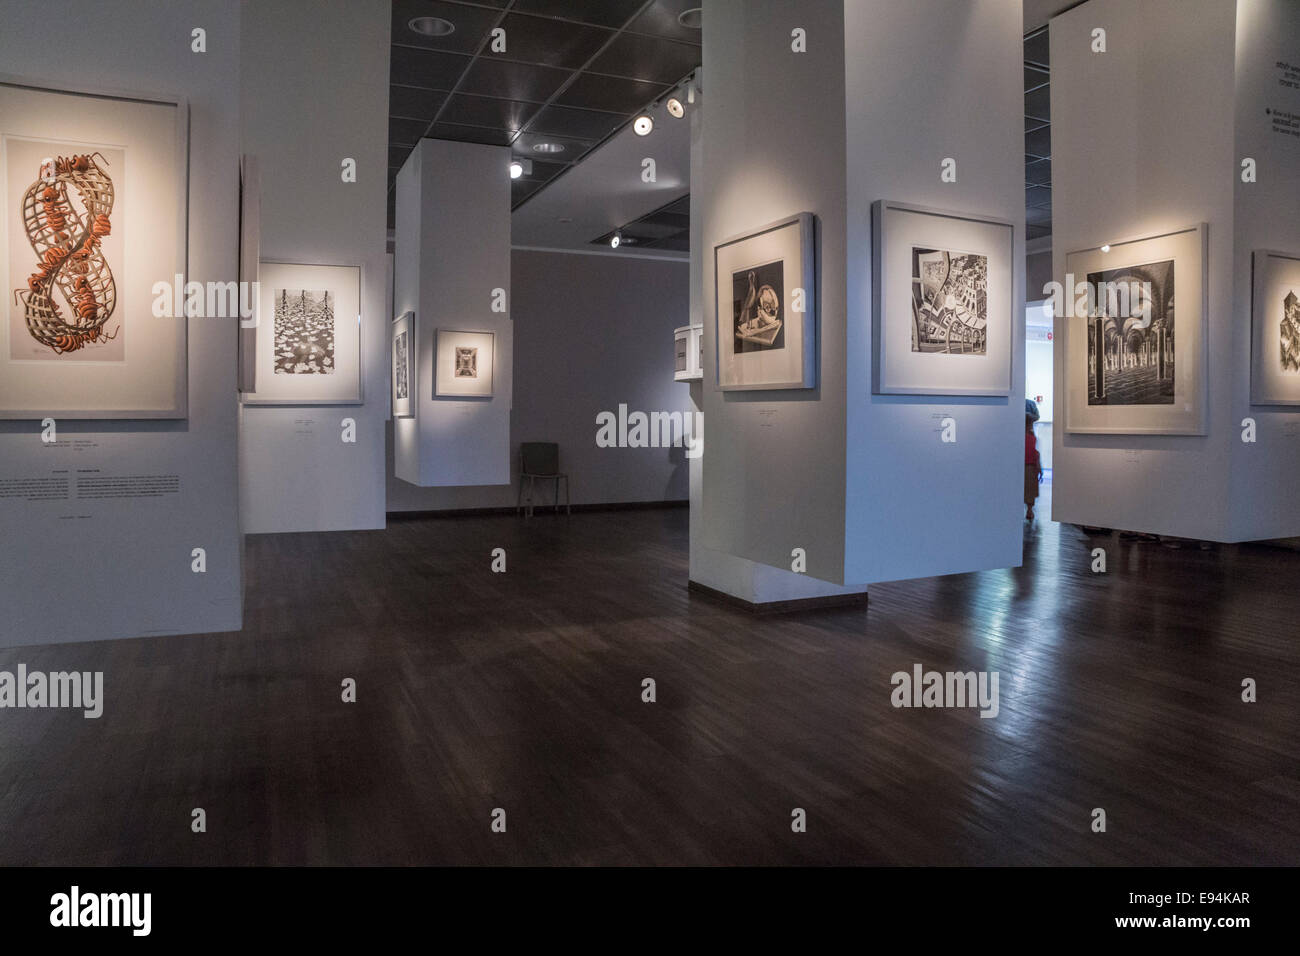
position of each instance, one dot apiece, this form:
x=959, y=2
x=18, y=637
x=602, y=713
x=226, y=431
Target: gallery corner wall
x=452, y=269
x=302, y=122
x=1184, y=86
x=122, y=567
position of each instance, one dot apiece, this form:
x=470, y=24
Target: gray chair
x=540, y=461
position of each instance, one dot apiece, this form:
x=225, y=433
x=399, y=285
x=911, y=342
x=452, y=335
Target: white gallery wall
x=591, y=332
x=861, y=482
x=1189, y=80
x=86, y=570
x=301, y=121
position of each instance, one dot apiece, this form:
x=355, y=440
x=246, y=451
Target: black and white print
x=1290, y=332
x=1132, y=324
x=757, y=297
x=466, y=362
x=401, y=366
x=950, y=312
x=304, y=332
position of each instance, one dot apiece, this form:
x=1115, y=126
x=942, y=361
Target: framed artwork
x=308, y=339
x=1275, y=329
x=250, y=240
x=688, y=351
x=767, y=307
x=93, y=206
x=1135, y=336
x=463, y=364
x=404, y=365
x=943, y=316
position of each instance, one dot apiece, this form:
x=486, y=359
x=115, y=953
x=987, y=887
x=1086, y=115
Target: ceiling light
x=615, y=239
x=691, y=19
x=516, y=169
x=643, y=124
x=548, y=147
x=431, y=26
x=675, y=107
x=1106, y=247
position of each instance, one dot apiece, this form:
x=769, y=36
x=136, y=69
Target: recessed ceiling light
x=691, y=19
x=643, y=124
x=516, y=169
x=548, y=147
x=431, y=26
x=675, y=107
x=1106, y=247
x=615, y=239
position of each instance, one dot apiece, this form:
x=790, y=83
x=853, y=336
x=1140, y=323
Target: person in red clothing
x=1033, y=463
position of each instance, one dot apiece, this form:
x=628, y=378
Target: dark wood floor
x=522, y=691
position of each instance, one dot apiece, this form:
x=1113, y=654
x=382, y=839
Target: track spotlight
x=643, y=124
x=675, y=107
x=615, y=240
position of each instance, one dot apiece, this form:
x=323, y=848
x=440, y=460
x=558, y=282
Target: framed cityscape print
x=1275, y=329
x=308, y=335
x=767, y=307
x=463, y=364
x=93, y=206
x=944, y=307
x=403, y=355
x=1135, y=336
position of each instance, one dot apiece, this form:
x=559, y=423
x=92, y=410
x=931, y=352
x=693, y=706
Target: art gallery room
x=588, y=433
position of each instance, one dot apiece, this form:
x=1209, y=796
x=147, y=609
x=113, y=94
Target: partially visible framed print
x=943, y=321
x=767, y=307
x=308, y=335
x=403, y=356
x=93, y=205
x=1135, y=336
x=463, y=364
x=250, y=239
x=1275, y=329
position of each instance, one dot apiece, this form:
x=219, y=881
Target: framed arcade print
x=308, y=335
x=403, y=356
x=1135, y=336
x=92, y=220
x=463, y=364
x=767, y=307
x=943, y=318
x=1275, y=329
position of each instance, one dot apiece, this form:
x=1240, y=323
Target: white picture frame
x=766, y=299
x=1275, y=328
x=952, y=334
x=1141, y=394
x=463, y=364
x=299, y=361
x=132, y=364
x=402, y=353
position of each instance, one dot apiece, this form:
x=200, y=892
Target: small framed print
x=767, y=307
x=1275, y=329
x=463, y=364
x=943, y=319
x=403, y=356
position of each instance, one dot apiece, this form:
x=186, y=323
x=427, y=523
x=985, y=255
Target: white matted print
x=92, y=215
x=308, y=335
x=767, y=307
x=463, y=364
x=1275, y=330
x=403, y=356
x=943, y=317
x=1135, y=339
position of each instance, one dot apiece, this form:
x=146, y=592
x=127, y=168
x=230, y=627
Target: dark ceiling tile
x=1034, y=77
x=1037, y=232
x=1038, y=104
x=1039, y=173
x=581, y=124
x=1037, y=195
x=572, y=148
x=661, y=20
x=1037, y=49
x=647, y=58
x=681, y=243
x=472, y=25
x=1032, y=124
x=603, y=13
x=414, y=103
x=406, y=132
x=397, y=155
x=487, y=111
x=615, y=94
x=544, y=172
x=551, y=42
x=435, y=71
x=1039, y=143
x=670, y=220
x=645, y=231
x=470, y=134
x=680, y=206
x=1039, y=216
x=513, y=81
